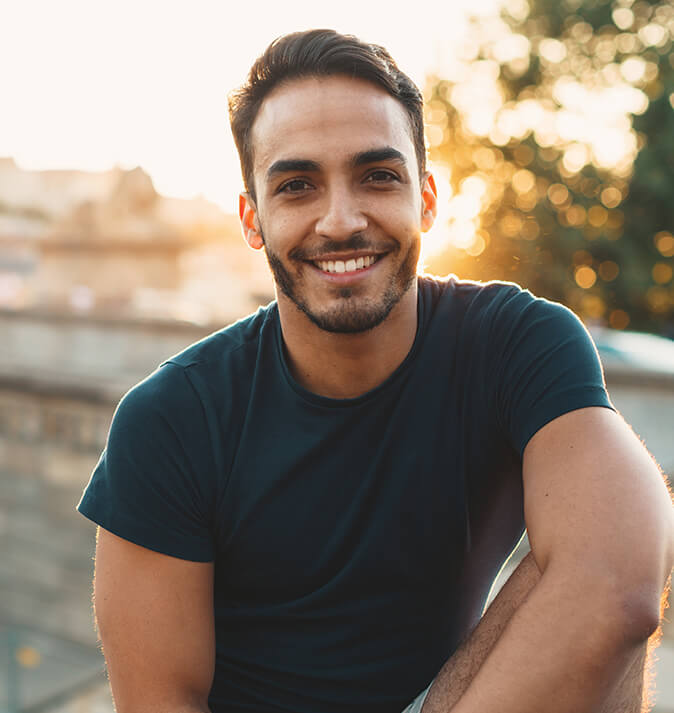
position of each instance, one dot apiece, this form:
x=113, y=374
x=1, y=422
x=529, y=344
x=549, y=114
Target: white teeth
x=349, y=266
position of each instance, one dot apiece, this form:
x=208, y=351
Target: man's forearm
x=455, y=676
x=560, y=652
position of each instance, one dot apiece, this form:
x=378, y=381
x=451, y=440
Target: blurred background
x=550, y=128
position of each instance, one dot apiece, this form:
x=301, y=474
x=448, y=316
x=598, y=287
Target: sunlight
x=119, y=92
x=438, y=237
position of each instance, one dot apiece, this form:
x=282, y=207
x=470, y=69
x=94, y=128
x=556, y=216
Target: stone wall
x=60, y=380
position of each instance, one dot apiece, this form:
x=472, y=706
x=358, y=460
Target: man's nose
x=342, y=215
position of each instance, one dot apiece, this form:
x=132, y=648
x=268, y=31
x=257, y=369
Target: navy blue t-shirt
x=354, y=540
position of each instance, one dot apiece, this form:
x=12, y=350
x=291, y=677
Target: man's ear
x=429, y=202
x=250, y=224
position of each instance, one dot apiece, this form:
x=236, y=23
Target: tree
x=557, y=127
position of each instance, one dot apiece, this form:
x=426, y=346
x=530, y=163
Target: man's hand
x=601, y=530
x=155, y=620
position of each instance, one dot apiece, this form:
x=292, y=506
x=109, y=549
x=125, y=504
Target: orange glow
x=653, y=35
x=558, y=194
x=484, y=158
x=565, y=143
x=611, y=197
x=633, y=69
x=434, y=135
x=28, y=657
x=592, y=306
x=597, y=216
x=478, y=246
x=615, y=219
x=511, y=224
x=662, y=273
x=664, y=242
x=576, y=215
x=585, y=277
x=523, y=181
x=526, y=202
x=582, y=257
x=658, y=299
x=576, y=157
x=609, y=270
x=530, y=230
x=623, y=18
x=552, y=50
x=619, y=319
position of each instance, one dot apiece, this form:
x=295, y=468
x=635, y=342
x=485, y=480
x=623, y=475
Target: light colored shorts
x=418, y=702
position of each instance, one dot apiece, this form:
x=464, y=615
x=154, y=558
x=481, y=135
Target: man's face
x=339, y=205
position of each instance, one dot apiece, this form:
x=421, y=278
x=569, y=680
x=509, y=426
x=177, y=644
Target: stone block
x=65, y=467
x=20, y=457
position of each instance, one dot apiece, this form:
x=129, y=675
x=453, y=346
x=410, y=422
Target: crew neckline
x=327, y=401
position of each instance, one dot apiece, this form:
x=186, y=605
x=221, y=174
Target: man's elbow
x=616, y=615
x=640, y=615
x=646, y=571
x=623, y=596
x=644, y=590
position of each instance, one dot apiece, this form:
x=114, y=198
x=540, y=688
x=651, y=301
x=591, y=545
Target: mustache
x=356, y=242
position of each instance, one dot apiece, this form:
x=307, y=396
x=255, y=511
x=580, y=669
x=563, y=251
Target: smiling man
x=305, y=511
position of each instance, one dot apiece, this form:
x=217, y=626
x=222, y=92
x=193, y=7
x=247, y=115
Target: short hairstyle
x=319, y=53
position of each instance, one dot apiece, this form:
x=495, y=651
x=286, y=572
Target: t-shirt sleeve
x=153, y=484
x=548, y=366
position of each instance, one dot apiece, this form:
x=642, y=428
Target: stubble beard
x=352, y=314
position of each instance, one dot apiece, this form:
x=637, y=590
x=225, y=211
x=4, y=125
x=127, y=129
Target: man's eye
x=297, y=185
x=381, y=177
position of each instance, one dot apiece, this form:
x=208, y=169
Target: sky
x=88, y=85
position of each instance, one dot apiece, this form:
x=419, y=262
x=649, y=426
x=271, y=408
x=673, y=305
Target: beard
x=351, y=314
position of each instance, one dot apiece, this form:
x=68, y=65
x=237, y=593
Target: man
x=305, y=511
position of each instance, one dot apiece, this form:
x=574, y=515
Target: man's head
x=319, y=53
x=336, y=164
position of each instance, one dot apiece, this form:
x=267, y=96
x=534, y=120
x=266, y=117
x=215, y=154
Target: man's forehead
x=335, y=113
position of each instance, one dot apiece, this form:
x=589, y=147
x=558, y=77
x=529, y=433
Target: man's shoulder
x=493, y=315
x=214, y=365
x=451, y=286
x=223, y=344
x=473, y=299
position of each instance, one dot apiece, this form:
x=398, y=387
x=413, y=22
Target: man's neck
x=343, y=366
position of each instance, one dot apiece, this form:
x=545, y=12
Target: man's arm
x=155, y=619
x=461, y=668
x=600, y=527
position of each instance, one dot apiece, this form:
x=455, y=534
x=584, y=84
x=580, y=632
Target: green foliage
x=560, y=122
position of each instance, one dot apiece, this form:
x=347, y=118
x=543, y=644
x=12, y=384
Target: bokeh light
x=547, y=107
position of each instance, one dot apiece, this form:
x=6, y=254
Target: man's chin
x=349, y=317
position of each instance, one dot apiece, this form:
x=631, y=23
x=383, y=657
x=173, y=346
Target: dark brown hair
x=319, y=53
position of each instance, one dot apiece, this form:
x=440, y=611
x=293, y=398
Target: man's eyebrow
x=387, y=153
x=303, y=165
x=289, y=165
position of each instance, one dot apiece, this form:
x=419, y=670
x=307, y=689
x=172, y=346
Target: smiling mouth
x=351, y=265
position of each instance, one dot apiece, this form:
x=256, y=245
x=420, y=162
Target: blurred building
x=108, y=244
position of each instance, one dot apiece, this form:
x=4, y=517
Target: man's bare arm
x=600, y=527
x=458, y=672
x=155, y=620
